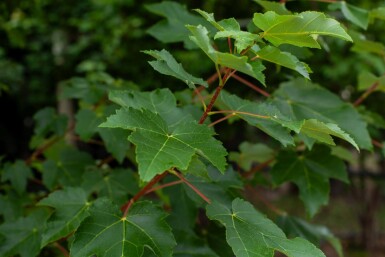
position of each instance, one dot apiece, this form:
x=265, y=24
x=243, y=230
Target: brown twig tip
x=141, y=193
x=62, y=249
x=367, y=92
x=196, y=190
x=251, y=85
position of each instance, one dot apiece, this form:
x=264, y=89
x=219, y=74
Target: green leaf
x=367, y=80
x=356, y=15
x=115, y=141
x=299, y=29
x=239, y=63
x=18, y=173
x=363, y=45
x=279, y=8
x=323, y=132
x=159, y=148
x=231, y=28
x=116, y=184
x=47, y=120
x=67, y=169
x=23, y=236
x=293, y=226
x=160, y=101
x=219, y=187
x=285, y=59
x=173, y=29
x=378, y=13
x=71, y=207
x=299, y=99
x=311, y=173
x=250, y=154
x=87, y=123
x=264, y=116
x=372, y=118
x=166, y=64
x=106, y=233
x=251, y=234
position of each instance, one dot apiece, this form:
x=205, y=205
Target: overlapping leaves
x=105, y=233
x=311, y=173
x=160, y=145
x=299, y=99
x=250, y=234
x=299, y=29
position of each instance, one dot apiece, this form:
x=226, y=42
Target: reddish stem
x=378, y=144
x=366, y=93
x=164, y=186
x=267, y=203
x=61, y=249
x=211, y=104
x=221, y=119
x=230, y=45
x=257, y=168
x=142, y=192
x=106, y=160
x=251, y=85
x=41, y=150
x=196, y=190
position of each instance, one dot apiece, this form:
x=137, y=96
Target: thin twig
x=251, y=85
x=211, y=104
x=62, y=249
x=368, y=91
x=164, y=186
x=196, y=190
x=257, y=168
x=268, y=204
x=41, y=149
x=221, y=119
x=378, y=144
x=230, y=45
x=142, y=192
x=106, y=160
x=242, y=113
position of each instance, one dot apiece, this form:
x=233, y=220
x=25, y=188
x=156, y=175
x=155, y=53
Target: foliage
x=149, y=173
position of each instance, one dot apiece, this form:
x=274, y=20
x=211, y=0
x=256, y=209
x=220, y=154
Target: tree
x=153, y=171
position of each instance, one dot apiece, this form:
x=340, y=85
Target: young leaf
x=251, y=153
x=105, y=233
x=173, y=28
x=264, y=116
x=18, y=173
x=367, y=80
x=159, y=148
x=323, y=132
x=239, y=63
x=23, y=236
x=299, y=29
x=356, y=15
x=116, y=185
x=378, y=13
x=285, y=59
x=279, y=8
x=311, y=173
x=250, y=234
x=71, y=207
x=87, y=123
x=115, y=141
x=231, y=28
x=299, y=99
x=294, y=226
x=166, y=64
x=160, y=101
